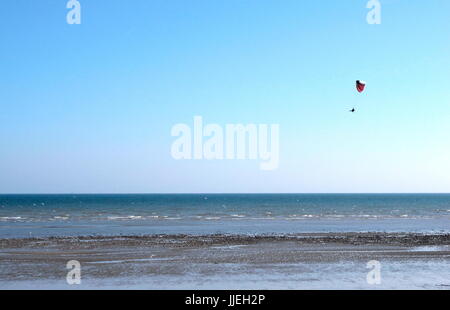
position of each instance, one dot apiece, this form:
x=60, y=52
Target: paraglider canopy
x=360, y=85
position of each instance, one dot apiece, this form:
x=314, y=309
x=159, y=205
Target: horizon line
x=237, y=193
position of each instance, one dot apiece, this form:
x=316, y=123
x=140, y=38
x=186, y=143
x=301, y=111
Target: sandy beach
x=297, y=261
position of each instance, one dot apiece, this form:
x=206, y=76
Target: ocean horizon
x=44, y=215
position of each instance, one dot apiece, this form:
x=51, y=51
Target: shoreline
x=352, y=238
x=295, y=261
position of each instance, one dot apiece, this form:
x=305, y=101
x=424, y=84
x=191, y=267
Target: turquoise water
x=54, y=215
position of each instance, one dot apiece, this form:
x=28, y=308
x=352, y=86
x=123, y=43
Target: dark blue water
x=52, y=215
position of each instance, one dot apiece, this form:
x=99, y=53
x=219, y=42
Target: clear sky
x=89, y=108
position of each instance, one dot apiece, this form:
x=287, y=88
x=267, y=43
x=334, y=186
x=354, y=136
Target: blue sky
x=89, y=108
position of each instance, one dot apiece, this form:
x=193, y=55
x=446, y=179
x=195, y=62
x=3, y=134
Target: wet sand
x=300, y=261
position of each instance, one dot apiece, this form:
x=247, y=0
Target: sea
x=43, y=215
